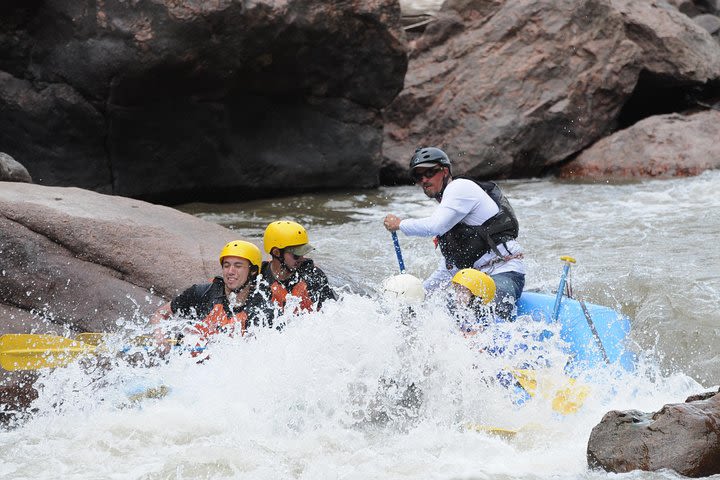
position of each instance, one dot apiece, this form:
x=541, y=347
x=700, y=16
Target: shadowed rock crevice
x=658, y=95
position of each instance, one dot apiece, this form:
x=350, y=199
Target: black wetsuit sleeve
x=317, y=282
x=198, y=300
x=187, y=302
x=259, y=310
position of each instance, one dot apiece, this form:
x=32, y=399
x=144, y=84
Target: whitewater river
x=325, y=399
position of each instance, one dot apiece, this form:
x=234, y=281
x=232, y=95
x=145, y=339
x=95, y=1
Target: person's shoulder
x=201, y=287
x=464, y=182
x=461, y=186
x=308, y=266
x=265, y=270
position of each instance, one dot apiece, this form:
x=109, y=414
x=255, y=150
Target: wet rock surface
x=683, y=437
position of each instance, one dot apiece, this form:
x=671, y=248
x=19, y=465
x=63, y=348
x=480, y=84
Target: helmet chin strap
x=239, y=289
x=281, y=258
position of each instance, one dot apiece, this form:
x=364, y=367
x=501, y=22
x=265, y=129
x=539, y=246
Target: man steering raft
x=474, y=226
x=289, y=273
x=230, y=303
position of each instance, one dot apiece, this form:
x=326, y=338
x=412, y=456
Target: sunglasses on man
x=295, y=257
x=429, y=173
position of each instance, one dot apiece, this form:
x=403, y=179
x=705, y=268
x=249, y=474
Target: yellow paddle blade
x=498, y=431
x=90, y=338
x=33, y=352
x=569, y=399
x=566, y=398
x=527, y=380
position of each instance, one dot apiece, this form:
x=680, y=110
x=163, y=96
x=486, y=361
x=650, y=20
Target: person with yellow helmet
x=474, y=293
x=230, y=303
x=289, y=272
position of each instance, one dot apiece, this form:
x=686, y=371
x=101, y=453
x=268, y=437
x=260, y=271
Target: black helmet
x=429, y=155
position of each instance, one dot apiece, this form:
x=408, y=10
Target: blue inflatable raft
x=596, y=335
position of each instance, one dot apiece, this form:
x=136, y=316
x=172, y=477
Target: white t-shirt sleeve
x=463, y=200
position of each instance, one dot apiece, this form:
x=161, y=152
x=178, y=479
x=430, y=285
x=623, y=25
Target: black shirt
x=198, y=301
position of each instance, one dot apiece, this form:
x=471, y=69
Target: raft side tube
x=612, y=327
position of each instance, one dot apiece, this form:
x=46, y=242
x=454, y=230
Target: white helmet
x=404, y=287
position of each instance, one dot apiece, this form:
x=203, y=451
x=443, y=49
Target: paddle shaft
x=398, y=252
x=594, y=331
x=561, y=288
x=556, y=309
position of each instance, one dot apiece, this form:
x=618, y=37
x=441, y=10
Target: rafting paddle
x=398, y=252
x=565, y=399
x=556, y=310
x=563, y=279
x=25, y=351
x=33, y=352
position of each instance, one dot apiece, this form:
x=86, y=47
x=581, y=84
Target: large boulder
x=185, y=100
x=75, y=260
x=660, y=146
x=81, y=260
x=684, y=437
x=510, y=89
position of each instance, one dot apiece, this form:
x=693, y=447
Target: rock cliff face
x=176, y=101
x=512, y=89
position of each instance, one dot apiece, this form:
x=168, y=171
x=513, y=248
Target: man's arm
x=318, y=284
x=441, y=220
x=459, y=199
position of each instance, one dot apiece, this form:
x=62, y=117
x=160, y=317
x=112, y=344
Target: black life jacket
x=463, y=244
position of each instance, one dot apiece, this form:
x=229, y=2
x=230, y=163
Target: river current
x=327, y=398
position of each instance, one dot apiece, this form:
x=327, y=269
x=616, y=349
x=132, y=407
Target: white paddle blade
x=404, y=288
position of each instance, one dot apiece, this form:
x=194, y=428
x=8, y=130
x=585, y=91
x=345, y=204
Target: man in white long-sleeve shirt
x=472, y=229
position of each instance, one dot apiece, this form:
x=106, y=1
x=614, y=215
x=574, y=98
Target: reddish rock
x=84, y=260
x=660, y=146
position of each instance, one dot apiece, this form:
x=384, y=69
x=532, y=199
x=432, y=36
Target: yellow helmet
x=242, y=249
x=480, y=284
x=284, y=233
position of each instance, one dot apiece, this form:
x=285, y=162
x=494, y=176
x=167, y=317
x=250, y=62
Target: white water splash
x=325, y=398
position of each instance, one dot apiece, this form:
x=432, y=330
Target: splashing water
x=365, y=389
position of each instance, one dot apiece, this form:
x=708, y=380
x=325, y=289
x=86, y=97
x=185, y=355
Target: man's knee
x=508, y=287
